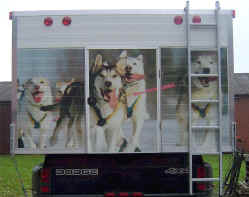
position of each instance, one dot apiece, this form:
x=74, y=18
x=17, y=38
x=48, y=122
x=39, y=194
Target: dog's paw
x=52, y=140
x=33, y=146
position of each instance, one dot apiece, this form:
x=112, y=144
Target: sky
x=240, y=23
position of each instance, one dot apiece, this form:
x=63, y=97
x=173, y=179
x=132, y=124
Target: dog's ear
x=98, y=64
x=123, y=54
x=27, y=83
x=122, y=62
x=140, y=58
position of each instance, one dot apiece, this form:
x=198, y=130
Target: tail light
x=201, y=173
x=45, y=180
x=110, y=194
x=124, y=194
x=44, y=189
x=137, y=194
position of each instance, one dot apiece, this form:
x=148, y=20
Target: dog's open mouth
x=129, y=77
x=205, y=80
x=37, y=96
x=109, y=95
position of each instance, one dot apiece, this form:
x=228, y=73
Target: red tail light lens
x=48, y=21
x=44, y=189
x=178, y=20
x=66, y=21
x=45, y=173
x=201, y=173
x=110, y=194
x=196, y=19
x=124, y=194
x=137, y=194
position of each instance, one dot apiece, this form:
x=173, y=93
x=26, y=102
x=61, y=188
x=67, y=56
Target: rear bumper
x=148, y=195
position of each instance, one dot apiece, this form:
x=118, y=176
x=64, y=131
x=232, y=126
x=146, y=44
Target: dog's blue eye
x=198, y=62
x=211, y=62
x=134, y=64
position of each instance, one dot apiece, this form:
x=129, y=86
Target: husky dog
x=203, y=88
x=132, y=70
x=108, y=113
x=37, y=93
x=71, y=110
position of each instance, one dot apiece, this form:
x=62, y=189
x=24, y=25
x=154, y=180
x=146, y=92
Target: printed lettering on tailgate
x=77, y=172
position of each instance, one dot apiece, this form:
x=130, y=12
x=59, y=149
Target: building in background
x=5, y=116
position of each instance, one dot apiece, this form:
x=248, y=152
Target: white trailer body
x=56, y=54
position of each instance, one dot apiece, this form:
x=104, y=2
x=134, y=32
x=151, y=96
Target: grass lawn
x=9, y=182
x=227, y=164
x=10, y=185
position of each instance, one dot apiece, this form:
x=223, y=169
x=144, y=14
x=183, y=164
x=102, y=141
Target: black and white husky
x=70, y=107
x=108, y=112
x=203, y=88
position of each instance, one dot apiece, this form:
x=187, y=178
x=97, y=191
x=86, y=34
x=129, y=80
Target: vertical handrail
x=189, y=97
x=159, y=121
x=217, y=10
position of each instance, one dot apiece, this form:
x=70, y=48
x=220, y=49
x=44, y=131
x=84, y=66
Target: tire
x=36, y=180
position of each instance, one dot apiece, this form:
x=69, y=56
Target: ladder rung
x=205, y=101
x=204, y=75
x=203, y=26
x=205, y=179
x=205, y=127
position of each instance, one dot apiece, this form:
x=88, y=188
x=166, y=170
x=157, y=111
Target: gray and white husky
x=132, y=71
x=203, y=88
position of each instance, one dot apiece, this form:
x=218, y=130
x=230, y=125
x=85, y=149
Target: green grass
x=9, y=182
x=213, y=160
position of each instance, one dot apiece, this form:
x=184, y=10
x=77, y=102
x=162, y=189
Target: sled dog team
x=112, y=101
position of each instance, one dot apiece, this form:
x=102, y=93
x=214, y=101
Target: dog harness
x=132, y=107
x=36, y=124
x=202, y=111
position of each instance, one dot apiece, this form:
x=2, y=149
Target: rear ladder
x=189, y=27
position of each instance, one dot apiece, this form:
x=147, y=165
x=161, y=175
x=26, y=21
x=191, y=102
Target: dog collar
x=36, y=124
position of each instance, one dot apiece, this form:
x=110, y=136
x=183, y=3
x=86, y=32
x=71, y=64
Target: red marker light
x=10, y=15
x=66, y=21
x=178, y=20
x=234, y=14
x=48, y=21
x=196, y=19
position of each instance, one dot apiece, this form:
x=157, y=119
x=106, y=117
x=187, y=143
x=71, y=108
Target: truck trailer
x=123, y=102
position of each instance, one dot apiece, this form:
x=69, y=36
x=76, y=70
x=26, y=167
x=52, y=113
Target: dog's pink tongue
x=38, y=97
x=113, y=99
